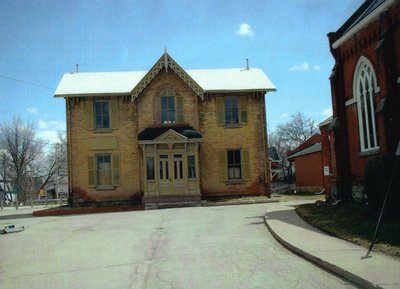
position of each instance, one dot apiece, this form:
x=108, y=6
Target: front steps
x=163, y=202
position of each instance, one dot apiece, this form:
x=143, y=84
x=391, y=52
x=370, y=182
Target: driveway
x=207, y=247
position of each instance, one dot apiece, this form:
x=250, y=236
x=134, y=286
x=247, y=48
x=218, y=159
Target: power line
x=27, y=82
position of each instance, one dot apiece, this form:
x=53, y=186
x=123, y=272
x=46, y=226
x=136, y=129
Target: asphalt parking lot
x=206, y=247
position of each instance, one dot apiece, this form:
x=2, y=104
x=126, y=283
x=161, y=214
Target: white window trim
x=365, y=145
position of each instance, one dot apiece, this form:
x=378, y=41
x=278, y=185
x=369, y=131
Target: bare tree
x=18, y=140
x=54, y=162
x=289, y=135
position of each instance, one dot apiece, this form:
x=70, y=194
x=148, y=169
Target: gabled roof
x=326, y=121
x=309, y=150
x=365, y=14
x=166, y=62
x=132, y=83
x=309, y=142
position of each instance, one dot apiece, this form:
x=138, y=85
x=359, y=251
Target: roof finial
x=247, y=64
x=166, y=59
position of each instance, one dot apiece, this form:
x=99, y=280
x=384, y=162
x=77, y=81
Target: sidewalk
x=341, y=257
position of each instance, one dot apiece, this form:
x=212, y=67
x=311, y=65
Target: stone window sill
x=103, y=130
x=104, y=188
x=370, y=152
x=234, y=125
x=235, y=182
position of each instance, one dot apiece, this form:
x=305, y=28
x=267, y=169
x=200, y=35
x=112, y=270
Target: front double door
x=171, y=174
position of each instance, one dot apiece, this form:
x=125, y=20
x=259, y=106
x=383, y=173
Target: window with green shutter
x=232, y=110
x=223, y=172
x=115, y=170
x=234, y=165
x=91, y=171
x=102, y=114
x=180, y=118
x=104, y=171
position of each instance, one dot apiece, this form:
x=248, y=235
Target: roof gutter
x=364, y=22
x=92, y=94
x=239, y=90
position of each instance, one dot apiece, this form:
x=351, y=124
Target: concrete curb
x=214, y=204
x=318, y=261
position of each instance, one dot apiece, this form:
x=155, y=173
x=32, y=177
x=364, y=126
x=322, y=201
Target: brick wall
x=133, y=117
x=379, y=42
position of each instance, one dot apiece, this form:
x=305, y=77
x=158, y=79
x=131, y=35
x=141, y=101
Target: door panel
x=165, y=182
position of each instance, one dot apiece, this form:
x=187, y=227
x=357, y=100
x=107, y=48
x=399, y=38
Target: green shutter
x=246, y=164
x=91, y=171
x=243, y=109
x=114, y=114
x=115, y=170
x=89, y=114
x=220, y=110
x=223, y=166
x=179, y=110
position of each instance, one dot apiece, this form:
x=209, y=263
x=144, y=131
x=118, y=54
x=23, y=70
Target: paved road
x=209, y=247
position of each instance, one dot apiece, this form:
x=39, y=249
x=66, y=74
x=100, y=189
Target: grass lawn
x=354, y=223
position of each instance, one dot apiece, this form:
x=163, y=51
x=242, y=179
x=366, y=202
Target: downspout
x=69, y=152
x=267, y=175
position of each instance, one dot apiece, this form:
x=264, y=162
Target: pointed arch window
x=365, y=88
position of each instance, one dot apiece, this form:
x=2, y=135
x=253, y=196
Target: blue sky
x=42, y=40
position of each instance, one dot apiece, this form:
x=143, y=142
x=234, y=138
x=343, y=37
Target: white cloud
x=32, y=110
x=327, y=112
x=245, y=30
x=52, y=125
x=285, y=115
x=305, y=66
x=50, y=136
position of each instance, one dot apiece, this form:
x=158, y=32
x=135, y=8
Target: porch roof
x=151, y=133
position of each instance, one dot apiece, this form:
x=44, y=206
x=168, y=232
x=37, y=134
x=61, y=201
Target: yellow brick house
x=167, y=134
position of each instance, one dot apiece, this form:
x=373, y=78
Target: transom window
x=365, y=88
x=234, y=165
x=231, y=110
x=167, y=109
x=102, y=114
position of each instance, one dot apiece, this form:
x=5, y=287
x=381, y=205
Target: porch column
x=185, y=171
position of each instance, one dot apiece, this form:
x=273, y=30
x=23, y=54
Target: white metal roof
x=88, y=83
x=234, y=79
x=210, y=80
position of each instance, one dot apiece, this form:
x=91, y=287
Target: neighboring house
x=57, y=186
x=5, y=187
x=276, y=169
x=307, y=159
x=168, y=134
x=365, y=93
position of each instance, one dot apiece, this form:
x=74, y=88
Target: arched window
x=365, y=89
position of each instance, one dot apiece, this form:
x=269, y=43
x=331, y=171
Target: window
x=191, y=167
x=178, y=167
x=167, y=109
x=231, y=110
x=102, y=114
x=365, y=89
x=103, y=168
x=234, y=165
x=150, y=168
x=103, y=171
